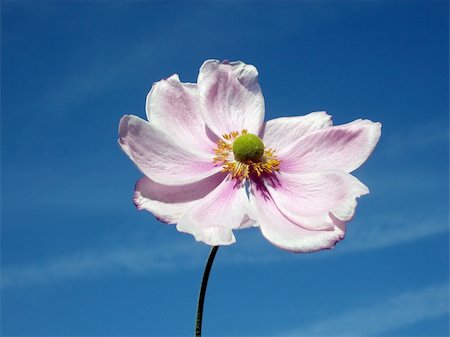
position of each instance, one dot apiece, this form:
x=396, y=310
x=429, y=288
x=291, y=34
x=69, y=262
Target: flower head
x=212, y=165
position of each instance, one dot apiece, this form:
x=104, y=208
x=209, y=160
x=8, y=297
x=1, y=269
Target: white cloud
x=417, y=138
x=139, y=257
x=399, y=311
x=385, y=231
x=94, y=263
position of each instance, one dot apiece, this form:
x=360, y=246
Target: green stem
x=201, y=295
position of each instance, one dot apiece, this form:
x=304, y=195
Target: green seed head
x=248, y=147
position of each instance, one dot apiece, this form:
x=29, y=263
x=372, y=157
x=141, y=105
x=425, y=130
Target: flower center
x=248, y=147
x=244, y=156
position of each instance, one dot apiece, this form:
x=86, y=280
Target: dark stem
x=201, y=295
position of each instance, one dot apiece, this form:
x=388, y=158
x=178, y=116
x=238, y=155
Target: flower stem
x=201, y=295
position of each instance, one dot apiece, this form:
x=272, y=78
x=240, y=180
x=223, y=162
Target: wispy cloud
x=135, y=258
x=138, y=257
x=102, y=72
x=95, y=263
x=400, y=311
x=416, y=138
x=385, y=231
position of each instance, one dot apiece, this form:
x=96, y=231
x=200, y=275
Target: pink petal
x=212, y=218
x=342, y=148
x=280, y=133
x=231, y=97
x=283, y=233
x=160, y=157
x=174, y=107
x=170, y=203
x=310, y=200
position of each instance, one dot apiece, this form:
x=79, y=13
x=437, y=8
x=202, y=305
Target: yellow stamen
x=267, y=164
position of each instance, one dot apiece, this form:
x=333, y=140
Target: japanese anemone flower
x=212, y=165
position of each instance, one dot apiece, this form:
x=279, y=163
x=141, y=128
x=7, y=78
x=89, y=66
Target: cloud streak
x=149, y=258
x=400, y=311
x=417, y=138
x=95, y=263
x=388, y=231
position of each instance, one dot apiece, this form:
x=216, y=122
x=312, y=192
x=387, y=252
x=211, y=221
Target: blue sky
x=79, y=260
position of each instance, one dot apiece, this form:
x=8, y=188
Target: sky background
x=78, y=259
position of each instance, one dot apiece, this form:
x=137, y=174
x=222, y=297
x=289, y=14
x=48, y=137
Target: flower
x=212, y=165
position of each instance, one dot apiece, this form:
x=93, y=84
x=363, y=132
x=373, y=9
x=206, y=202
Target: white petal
x=231, y=97
x=160, y=157
x=309, y=200
x=212, y=218
x=280, y=133
x=284, y=234
x=175, y=108
x=341, y=148
x=170, y=203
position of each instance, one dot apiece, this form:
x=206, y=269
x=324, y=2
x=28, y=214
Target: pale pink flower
x=297, y=188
